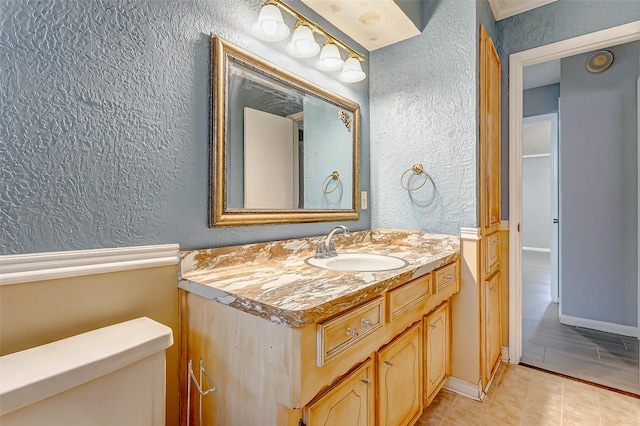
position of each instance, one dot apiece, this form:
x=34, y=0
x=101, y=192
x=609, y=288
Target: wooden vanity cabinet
x=362, y=366
x=399, y=379
x=351, y=401
x=437, y=350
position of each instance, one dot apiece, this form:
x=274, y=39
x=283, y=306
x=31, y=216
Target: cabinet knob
x=449, y=277
x=351, y=332
x=432, y=326
x=365, y=381
x=388, y=363
x=495, y=242
x=366, y=323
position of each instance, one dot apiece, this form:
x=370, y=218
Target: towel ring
x=333, y=176
x=416, y=169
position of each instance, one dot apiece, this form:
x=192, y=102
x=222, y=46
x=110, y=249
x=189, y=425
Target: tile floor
x=524, y=396
x=605, y=358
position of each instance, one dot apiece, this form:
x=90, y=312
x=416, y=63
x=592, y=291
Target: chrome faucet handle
x=331, y=250
x=321, y=250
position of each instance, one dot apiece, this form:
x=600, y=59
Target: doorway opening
x=531, y=266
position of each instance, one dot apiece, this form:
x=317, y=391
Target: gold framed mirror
x=283, y=150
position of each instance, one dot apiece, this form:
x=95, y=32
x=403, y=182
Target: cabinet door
x=349, y=402
x=489, y=131
x=399, y=372
x=493, y=332
x=437, y=350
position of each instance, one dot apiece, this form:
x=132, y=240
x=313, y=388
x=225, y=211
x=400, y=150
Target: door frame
x=517, y=61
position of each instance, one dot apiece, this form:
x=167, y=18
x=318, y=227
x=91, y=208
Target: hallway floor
x=524, y=396
x=608, y=359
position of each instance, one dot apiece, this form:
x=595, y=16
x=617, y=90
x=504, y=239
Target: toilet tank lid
x=34, y=374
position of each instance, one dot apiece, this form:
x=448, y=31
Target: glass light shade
x=330, y=59
x=352, y=71
x=270, y=25
x=302, y=44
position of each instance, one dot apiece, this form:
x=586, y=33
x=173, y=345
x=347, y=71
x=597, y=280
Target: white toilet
x=110, y=376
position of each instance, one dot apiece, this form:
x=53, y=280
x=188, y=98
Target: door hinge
x=556, y=220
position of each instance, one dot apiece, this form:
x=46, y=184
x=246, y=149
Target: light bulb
x=270, y=25
x=302, y=44
x=352, y=71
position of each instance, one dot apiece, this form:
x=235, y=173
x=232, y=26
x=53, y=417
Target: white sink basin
x=358, y=262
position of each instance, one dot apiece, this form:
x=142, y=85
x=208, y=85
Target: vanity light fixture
x=330, y=59
x=270, y=25
x=352, y=71
x=303, y=43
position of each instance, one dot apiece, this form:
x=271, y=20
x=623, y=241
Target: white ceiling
x=541, y=74
x=505, y=8
x=379, y=23
x=373, y=23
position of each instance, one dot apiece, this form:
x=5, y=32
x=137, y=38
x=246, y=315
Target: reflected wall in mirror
x=277, y=143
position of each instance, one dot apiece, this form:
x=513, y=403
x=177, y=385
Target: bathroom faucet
x=326, y=248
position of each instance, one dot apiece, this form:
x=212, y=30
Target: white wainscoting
x=20, y=268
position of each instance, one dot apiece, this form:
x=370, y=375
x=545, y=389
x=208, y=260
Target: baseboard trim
x=464, y=388
x=609, y=327
x=505, y=354
x=470, y=234
x=540, y=249
x=21, y=268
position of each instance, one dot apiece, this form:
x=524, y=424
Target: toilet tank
x=110, y=376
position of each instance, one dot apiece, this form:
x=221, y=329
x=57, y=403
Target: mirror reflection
x=286, y=150
x=283, y=146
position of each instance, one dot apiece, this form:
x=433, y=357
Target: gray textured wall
x=598, y=183
x=104, y=131
x=556, y=21
x=423, y=110
x=540, y=100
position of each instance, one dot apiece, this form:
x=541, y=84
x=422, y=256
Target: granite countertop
x=271, y=280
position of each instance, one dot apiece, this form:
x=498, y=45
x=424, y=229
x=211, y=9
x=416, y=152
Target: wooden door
x=349, y=402
x=489, y=132
x=493, y=330
x=436, y=350
x=399, y=374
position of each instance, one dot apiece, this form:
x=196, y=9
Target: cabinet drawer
x=340, y=333
x=408, y=295
x=446, y=276
x=492, y=250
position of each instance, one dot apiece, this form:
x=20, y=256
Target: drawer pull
x=432, y=326
x=495, y=242
x=449, y=276
x=388, y=363
x=366, y=323
x=365, y=382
